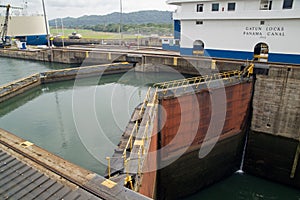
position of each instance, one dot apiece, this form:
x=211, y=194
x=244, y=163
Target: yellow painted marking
x=86, y=54
x=213, y=64
x=198, y=52
x=109, y=56
x=26, y=144
x=139, y=143
x=109, y=184
x=175, y=62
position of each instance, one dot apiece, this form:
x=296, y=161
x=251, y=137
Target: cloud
x=76, y=8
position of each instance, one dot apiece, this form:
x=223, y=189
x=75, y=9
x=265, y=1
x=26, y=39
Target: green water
x=45, y=116
x=13, y=69
x=246, y=187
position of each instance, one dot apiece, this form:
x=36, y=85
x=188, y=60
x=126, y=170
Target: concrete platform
x=28, y=171
x=18, y=180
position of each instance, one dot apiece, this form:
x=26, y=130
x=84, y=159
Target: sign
x=264, y=31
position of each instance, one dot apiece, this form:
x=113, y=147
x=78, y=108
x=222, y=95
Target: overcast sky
x=76, y=8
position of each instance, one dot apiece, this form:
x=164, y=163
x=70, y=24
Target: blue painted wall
x=171, y=48
x=286, y=58
x=244, y=55
x=177, y=29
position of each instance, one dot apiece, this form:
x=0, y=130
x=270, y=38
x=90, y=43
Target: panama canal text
x=264, y=31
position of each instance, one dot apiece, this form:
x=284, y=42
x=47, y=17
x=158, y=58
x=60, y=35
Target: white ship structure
x=27, y=28
x=264, y=30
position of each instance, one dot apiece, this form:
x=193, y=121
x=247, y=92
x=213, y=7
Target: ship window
x=262, y=22
x=199, y=7
x=231, y=7
x=215, y=7
x=287, y=4
x=198, y=22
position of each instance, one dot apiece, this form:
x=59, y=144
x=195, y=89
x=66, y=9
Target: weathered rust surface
x=180, y=114
x=148, y=186
x=188, y=117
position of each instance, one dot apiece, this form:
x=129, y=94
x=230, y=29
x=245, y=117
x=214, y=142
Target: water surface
x=45, y=115
x=242, y=187
x=14, y=69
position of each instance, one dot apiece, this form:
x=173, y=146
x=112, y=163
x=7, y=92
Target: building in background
x=263, y=30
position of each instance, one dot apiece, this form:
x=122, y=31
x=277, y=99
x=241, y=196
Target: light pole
x=121, y=22
x=46, y=23
x=63, y=32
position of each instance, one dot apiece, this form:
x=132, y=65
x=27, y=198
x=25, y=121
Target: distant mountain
x=141, y=17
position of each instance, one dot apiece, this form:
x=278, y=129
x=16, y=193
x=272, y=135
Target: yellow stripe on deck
x=26, y=144
x=109, y=184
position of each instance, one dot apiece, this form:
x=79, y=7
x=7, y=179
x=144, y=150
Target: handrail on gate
x=145, y=135
x=198, y=80
x=146, y=100
x=130, y=141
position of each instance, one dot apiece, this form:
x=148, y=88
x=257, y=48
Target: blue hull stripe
x=35, y=39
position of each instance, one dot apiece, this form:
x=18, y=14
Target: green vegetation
x=89, y=34
x=142, y=22
x=143, y=29
x=141, y=17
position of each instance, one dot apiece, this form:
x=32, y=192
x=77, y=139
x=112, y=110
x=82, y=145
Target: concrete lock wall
x=66, y=56
x=275, y=131
x=189, y=173
x=22, y=85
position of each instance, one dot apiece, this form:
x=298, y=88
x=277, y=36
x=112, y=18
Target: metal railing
x=146, y=100
x=129, y=143
x=149, y=101
x=140, y=140
x=198, y=80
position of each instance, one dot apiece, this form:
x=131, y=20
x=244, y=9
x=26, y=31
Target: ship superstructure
x=29, y=28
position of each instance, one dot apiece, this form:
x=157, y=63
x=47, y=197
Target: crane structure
x=3, y=33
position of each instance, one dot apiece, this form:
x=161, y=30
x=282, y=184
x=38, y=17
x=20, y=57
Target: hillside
x=141, y=17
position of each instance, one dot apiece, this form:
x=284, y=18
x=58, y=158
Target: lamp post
x=121, y=22
x=46, y=24
x=63, y=33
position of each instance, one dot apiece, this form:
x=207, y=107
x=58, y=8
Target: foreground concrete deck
x=28, y=171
